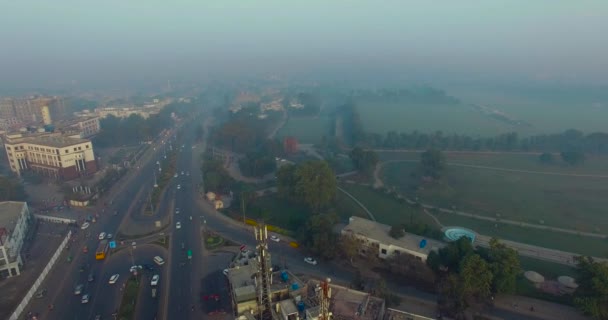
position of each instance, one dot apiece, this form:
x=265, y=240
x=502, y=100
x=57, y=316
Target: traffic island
x=126, y=311
x=213, y=241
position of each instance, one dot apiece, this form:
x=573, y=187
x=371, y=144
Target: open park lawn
x=574, y=202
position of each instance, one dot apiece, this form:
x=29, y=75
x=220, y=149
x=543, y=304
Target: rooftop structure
x=15, y=220
x=376, y=236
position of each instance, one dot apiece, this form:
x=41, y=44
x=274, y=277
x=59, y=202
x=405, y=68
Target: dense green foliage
x=317, y=235
x=135, y=129
x=215, y=175
x=591, y=296
x=243, y=131
x=11, y=190
x=364, y=160
x=257, y=164
x=468, y=275
x=312, y=183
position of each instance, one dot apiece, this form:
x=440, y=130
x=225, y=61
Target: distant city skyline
x=118, y=43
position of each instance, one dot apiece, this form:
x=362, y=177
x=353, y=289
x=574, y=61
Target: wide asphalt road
x=185, y=277
x=65, y=276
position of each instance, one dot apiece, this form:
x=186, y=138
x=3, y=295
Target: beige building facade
x=15, y=220
x=51, y=155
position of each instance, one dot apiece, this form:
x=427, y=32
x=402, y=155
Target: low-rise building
x=51, y=155
x=15, y=220
x=375, y=236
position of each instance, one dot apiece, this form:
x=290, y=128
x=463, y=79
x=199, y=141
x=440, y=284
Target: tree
x=573, y=157
x=316, y=184
x=591, y=296
x=504, y=264
x=349, y=246
x=396, y=231
x=451, y=256
x=432, y=163
x=546, y=158
x=286, y=181
x=317, y=234
x=364, y=160
x=476, y=277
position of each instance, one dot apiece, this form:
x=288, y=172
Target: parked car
x=155, y=279
x=114, y=278
x=310, y=261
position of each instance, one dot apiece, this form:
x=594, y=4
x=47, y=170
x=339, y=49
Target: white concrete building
x=15, y=219
x=375, y=236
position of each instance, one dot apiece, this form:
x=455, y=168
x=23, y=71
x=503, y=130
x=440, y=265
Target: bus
x=102, y=249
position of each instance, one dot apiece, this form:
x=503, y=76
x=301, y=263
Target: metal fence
x=36, y=285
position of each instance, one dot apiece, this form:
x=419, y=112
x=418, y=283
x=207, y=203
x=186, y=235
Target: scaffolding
x=264, y=275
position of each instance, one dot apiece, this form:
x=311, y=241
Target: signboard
x=112, y=244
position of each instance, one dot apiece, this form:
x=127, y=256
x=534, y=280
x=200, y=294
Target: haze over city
x=125, y=42
x=318, y=160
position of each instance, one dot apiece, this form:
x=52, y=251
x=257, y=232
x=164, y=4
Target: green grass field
x=459, y=118
x=562, y=201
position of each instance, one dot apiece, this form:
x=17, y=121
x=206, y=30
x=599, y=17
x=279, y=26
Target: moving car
x=159, y=261
x=109, y=236
x=179, y=187
x=135, y=268
x=78, y=289
x=275, y=238
x=91, y=277
x=85, y=299
x=155, y=279
x=176, y=210
x=102, y=236
x=175, y=175
x=310, y=261
x=114, y=278
x=225, y=272
x=178, y=225
x=84, y=225
x=85, y=249
x=40, y=294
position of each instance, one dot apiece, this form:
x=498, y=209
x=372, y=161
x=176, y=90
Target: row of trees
x=135, y=129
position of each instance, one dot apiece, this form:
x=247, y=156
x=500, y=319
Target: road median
x=130, y=290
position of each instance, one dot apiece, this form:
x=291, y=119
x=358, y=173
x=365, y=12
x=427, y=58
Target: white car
x=114, y=278
x=84, y=225
x=179, y=187
x=182, y=173
x=275, y=238
x=178, y=225
x=177, y=211
x=135, y=268
x=175, y=175
x=155, y=279
x=225, y=272
x=109, y=236
x=85, y=299
x=102, y=236
x=310, y=260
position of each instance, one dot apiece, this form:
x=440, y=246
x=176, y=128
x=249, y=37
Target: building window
x=383, y=251
x=87, y=146
x=66, y=150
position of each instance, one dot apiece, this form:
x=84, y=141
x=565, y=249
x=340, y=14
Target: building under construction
x=260, y=291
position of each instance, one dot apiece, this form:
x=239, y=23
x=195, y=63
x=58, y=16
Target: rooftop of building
x=10, y=211
x=46, y=139
x=242, y=281
x=380, y=232
x=347, y=303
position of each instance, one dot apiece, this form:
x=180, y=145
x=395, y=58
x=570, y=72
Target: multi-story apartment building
x=15, y=219
x=32, y=110
x=83, y=127
x=52, y=155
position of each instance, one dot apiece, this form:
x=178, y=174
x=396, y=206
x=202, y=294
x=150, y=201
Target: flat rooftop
x=45, y=139
x=351, y=304
x=380, y=232
x=10, y=211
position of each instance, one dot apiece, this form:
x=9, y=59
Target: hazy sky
x=59, y=41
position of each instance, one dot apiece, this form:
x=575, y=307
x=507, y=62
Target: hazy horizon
x=69, y=43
